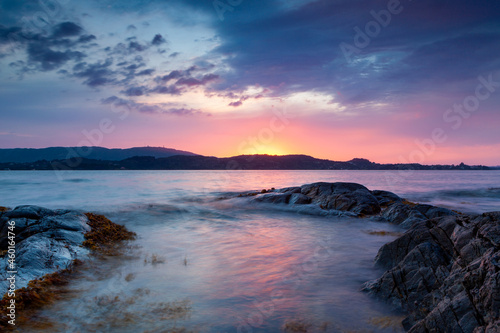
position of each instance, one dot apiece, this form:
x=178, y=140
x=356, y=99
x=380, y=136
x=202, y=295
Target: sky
x=392, y=81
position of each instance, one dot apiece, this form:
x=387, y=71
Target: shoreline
x=57, y=240
x=435, y=274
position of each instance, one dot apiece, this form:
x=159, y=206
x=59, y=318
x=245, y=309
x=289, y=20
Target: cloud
x=134, y=91
x=86, y=38
x=191, y=82
x=166, y=90
x=184, y=111
x=145, y=72
x=236, y=104
x=159, y=108
x=158, y=40
x=48, y=59
x=96, y=74
x=66, y=29
x=172, y=75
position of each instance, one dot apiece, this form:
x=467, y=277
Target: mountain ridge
x=29, y=155
x=200, y=162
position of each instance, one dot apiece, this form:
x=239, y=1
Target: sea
x=205, y=263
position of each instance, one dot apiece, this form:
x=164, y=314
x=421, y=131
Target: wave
x=77, y=180
x=491, y=192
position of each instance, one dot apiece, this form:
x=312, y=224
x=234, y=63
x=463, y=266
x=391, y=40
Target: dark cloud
x=66, y=29
x=174, y=54
x=299, y=49
x=137, y=47
x=47, y=59
x=172, y=75
x=133, y=67
x=86, y=38
x=134, y=91
x=145, y=72
x=166, y=90
x=131, y=28
x=158, y=40
x=10, y=35
x=97, y=74
x=162, y=108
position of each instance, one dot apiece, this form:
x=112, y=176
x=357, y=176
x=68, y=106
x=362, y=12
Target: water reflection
x=253, y=272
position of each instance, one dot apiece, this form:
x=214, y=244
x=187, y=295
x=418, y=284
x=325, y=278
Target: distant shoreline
x=242, y=162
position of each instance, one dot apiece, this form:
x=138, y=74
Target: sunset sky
x=391, y=81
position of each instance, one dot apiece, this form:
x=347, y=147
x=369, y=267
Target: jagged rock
x=46, y=241
x=445, y=272
x=295, y=189
x=433, y=211
x=299, y=199
x=276, y=198
x=403, y=214
x=386, y=198
x=342, y=196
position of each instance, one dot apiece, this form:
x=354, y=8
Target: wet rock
x=299, y=199
x=295, y=189
x=444, y=271
x=46, y=241
x=386, y=198
x=274, y=198
x=342, y=196
x=403, y=214
x=433, y=211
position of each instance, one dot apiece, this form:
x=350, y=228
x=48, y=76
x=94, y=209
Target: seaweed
x=38, y=293
x=104, y=235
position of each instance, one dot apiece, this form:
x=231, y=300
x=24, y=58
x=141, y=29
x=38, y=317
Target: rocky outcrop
x=48, y=241
x=45, y=241
x=444, y=272
x=345, y=197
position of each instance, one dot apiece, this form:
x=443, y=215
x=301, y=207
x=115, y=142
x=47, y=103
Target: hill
x=242, y=162
x=28, y=155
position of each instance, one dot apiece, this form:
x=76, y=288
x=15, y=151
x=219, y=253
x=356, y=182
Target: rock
x=433, y=211
x=46, y=241
x=299, y=199
x=342, y=196
x=403, y=214
x=386, y=198
x=274, y=198
x=444, y=271
x=295, y=189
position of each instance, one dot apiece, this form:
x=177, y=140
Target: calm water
x=205, y=265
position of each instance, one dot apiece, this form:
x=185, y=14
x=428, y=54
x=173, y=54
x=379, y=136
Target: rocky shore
x=444, y=272
x=40, y=246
